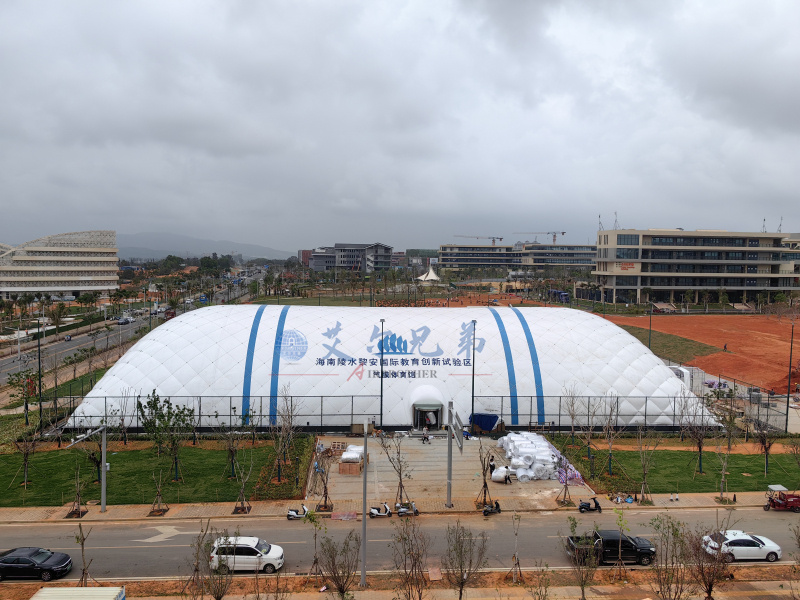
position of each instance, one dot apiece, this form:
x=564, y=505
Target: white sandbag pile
x=353, y=454
x=531, y=456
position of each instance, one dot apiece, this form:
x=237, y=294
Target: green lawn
x=130, y=480
x=675, y=470
x=673, y=347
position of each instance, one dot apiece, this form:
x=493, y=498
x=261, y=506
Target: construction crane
x=482, y=237
x=553, y=233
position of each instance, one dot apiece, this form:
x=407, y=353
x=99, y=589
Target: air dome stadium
x=393, y=366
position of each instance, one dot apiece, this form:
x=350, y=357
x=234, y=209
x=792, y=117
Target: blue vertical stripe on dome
x=537, y=373
x=276, y=365
x=512, y=377
x=248, y=364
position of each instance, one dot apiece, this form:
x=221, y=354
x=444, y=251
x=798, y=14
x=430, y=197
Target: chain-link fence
x=550, y=413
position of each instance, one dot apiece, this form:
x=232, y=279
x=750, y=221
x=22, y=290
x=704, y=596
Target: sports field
x=758, y=346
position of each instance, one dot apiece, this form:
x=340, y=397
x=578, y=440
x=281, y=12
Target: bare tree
x=92, y=447
x=540, y=588
x=696, y=423
x=766, y=426
x=282, y=429
x=610, y=425
x=319, y=478
x=795, y=573
x=569, y=401
x=584, y=555
x=340, y=561
x=647, y=440
x=708, y=570
x=316, y=522
x=793, y=448
x=80, y=538
x=392, y=448
x=216, y=582
x=26, y=446
x=193, y=586
x=464, y=556
x=726, y=415
x=231, y=438
x=671, y=575
x=590, y=407
x=409, y=547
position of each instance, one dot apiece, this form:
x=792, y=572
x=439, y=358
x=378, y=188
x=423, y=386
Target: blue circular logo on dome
x=294, y=345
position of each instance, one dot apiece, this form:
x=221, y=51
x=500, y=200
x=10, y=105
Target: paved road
x=29, y=358
x=159, y=549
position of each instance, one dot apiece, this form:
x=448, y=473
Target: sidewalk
x=350, y=509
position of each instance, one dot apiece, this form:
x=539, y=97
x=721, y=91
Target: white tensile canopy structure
x=429, y=276
x=522, y=362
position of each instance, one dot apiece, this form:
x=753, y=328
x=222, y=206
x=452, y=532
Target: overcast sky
x=294, y=124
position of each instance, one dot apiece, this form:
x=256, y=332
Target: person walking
x=491, y=465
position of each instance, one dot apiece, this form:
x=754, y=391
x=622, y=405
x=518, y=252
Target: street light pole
x=650, y=332
x=472, y=415
x=789, y=385
x=382, y=373
x=39, y=349
x=364, y=512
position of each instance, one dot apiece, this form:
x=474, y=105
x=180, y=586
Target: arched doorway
x=427, y=404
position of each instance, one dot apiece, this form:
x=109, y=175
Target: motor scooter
x=586, y=507
x=488, y=509
x=296, y=514
x=407, y=511
x=375, y=511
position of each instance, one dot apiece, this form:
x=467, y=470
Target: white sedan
x=738, y=545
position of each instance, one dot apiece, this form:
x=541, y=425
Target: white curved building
x=67, y=264
x=524, y=364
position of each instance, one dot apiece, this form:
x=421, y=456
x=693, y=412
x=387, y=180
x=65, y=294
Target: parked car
x=245, y=554
x=738, y=545
x=30, y=563
x=607, y=545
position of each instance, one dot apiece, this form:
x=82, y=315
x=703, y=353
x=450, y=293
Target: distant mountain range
x=158, y=245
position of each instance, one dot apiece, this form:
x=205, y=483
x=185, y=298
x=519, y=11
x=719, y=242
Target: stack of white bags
x=353, y=454
x=530, y=455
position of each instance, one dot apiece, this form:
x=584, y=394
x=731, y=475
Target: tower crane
x=553, y=233
x=482, y=237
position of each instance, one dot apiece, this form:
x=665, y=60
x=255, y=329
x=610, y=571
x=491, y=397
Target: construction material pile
x=352, y=454
x=531, y=457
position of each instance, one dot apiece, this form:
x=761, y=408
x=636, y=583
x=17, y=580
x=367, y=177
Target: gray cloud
x=294, y=124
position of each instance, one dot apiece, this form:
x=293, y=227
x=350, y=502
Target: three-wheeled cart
x=778, y=499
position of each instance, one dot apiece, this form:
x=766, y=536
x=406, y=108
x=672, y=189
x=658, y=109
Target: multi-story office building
x=570, y=256
x=520, y=256
x=67, y=264
x=668, y=263
x=352, y=257
x=481, y=256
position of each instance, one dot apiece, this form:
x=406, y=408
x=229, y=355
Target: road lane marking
x=166, y=532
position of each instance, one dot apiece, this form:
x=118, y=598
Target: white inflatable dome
x=234, y=360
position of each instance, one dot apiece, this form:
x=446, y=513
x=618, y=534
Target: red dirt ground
x=758, y=346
